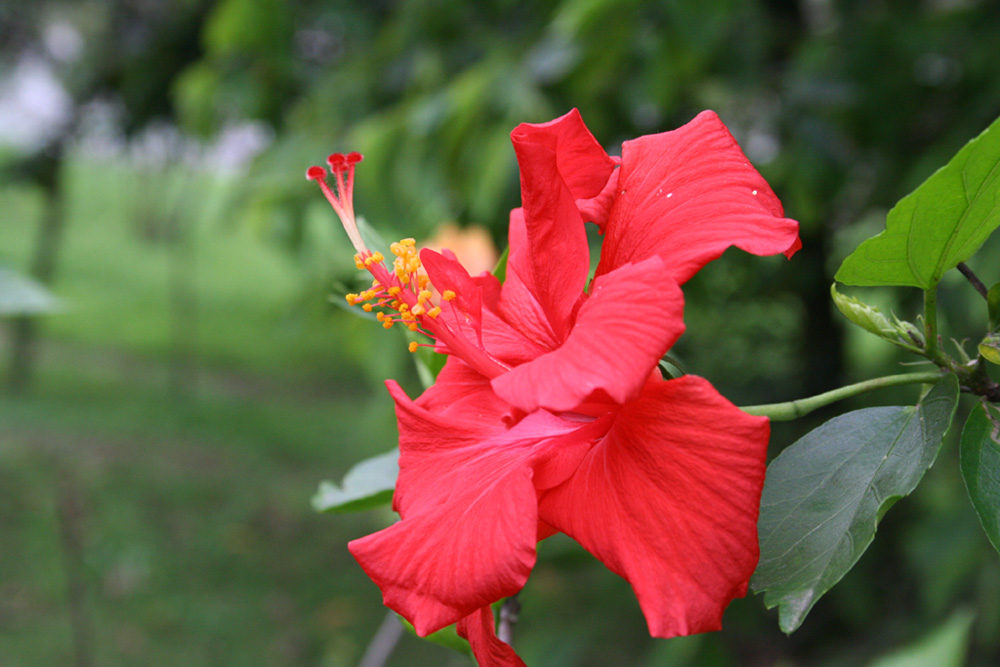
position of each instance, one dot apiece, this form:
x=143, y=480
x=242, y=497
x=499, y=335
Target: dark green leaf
x=824, y=495
x=993, y=304
x=980, y=456
x=941, y=223
x=368, y=484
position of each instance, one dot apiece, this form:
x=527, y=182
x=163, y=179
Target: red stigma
x=340, y=161
x=316, y=174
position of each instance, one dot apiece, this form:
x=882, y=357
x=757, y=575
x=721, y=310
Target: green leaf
x=941, y=223
x=980, y=458
x=429, y=365
x=867, y=317
x=501, y=269
x=367, y=485
x=872, y=320
x=447, y=637
x=989, y=348
x=825, y=494
x=372, y=239
x=20, y=295
x=946, y=646
x=993, y=305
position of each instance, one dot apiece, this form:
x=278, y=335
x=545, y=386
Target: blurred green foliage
x=199, y=383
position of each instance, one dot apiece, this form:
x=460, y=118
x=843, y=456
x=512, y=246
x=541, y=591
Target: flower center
x=401, y=295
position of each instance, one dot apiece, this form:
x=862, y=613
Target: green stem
x=803, y=406
x=930, y=324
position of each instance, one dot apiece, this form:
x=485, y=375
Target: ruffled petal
x=560, y=162
x=467, y=495
x=633, y=316
x=479, y=629
x=669, y=501
x=689, y=194
x=581, y=163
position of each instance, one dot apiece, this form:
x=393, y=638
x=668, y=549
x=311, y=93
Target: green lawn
x=186, y=485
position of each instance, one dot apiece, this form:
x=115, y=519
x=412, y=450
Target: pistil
x=402, y=295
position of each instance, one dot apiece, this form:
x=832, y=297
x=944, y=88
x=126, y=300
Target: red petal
x=560, y=162
x=689, y=194
x=467, y=495
x=518, y=301
x=446, y=273
x=472, y=313
x=489, y=650
x=669, y=501
x=634, y=315
x=582, y=164
x=463, y=395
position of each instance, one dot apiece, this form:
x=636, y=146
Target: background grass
x=197, y=542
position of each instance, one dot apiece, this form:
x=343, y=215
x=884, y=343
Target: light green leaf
x=20, y=295
x=980, y=457
x=867, y=317
x=989, y=348
x=367, y=485
x=946, y=646
x=825, y=494
x=941, y=223
x=871, y=319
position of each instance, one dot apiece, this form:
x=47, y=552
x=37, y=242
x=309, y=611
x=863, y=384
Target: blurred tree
x=132, y=52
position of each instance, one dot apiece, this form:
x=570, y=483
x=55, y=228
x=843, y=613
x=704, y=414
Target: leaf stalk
x=803, y=406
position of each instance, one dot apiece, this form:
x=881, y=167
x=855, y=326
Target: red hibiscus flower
x=550, y=414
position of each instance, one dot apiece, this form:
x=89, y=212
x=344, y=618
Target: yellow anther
x=351, y=298
x=403, y=308
x=367, y=308
x=380, y=317
x=423, y=281
x=395, y=248
x=424, y=295
x=413, y=346
x=418, y=309
x=394, y=290
x=448, y=295
x=412, y=327
x=358, y=263
x=387, y=323
x=434, y=312
x=395, y=305
x=409, y=242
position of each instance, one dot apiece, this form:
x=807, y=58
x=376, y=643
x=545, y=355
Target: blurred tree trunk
x=45, y=168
